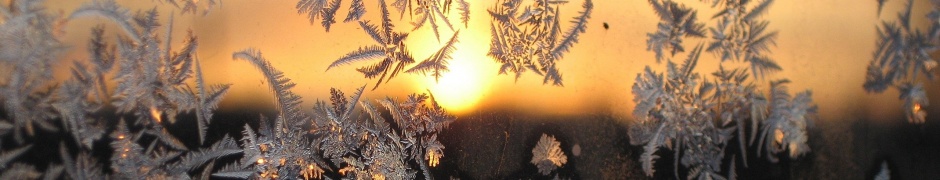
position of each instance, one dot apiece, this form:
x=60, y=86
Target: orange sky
x=822, y=45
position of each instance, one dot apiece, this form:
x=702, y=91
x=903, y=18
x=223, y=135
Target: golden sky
x=822, y=45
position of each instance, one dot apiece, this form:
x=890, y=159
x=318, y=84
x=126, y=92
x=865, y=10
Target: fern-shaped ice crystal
x=393, y=53
x=528, y=36
x=547, y=155
x=902, y=55
x=30, y=49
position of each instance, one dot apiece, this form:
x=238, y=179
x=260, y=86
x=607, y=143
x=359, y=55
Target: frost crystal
x=547, y=155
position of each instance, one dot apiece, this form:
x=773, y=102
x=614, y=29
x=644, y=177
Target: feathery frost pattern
x=528, y=36
x=318, y=9
x=788, y=121
x=433, y=12
x=158, y=85
x=437, y=63
x=420, y=11
x=30, y=49
x=340, y=142
x=111, y=10
x=740, y=36
x=152, y=88
x=547, y=155
x=288, y=103
x=696, y=117
x=391, y=50
x=902, y=55
x=464, y=8
x=677, y=21
x=393, y=53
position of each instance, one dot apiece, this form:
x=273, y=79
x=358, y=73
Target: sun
x=462, y=88
x=470, y=72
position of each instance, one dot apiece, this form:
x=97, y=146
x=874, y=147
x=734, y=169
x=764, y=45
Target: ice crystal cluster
x=696, y=117
x=902, y=54
x=547, y=155
x=157, y=85
x=528, y=36
x=420, y=11
x=337, y=139
x=390, y=48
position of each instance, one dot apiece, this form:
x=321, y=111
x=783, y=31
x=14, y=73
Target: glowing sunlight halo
x=460, y=89
x=471, y=72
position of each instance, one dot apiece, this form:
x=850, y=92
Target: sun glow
x=471, y=72
x=460, y=89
